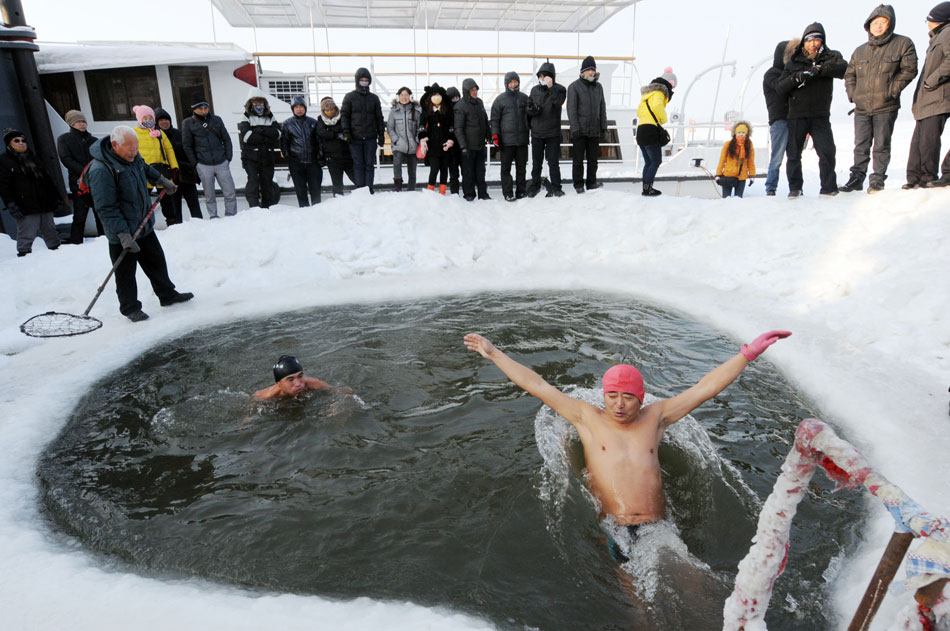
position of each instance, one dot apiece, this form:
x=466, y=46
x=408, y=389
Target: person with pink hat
x=621, y=440
x=157, y=151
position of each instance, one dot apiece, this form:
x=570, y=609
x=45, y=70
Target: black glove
x=816, y=69
x=751, y=181
x=801, y=76
x=15, y=211
x=128, y=243
x=381, y=140
x=717, y=178
x=168, y=185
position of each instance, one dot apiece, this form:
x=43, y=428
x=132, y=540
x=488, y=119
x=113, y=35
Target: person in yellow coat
x=156, y=149
x=651, y=137
x=737, y=161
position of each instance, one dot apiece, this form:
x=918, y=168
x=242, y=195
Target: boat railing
x=928, y=567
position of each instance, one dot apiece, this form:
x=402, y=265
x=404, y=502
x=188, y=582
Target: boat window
x=59, y=90
x=113, y=92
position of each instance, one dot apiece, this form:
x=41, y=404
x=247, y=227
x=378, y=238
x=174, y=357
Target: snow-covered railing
x=928, y=567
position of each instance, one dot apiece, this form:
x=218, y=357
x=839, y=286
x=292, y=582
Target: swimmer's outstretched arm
x=714, y=382
x=571, y=409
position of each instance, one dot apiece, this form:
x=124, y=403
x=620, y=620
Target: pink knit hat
x=141, y=111
x=624, y=378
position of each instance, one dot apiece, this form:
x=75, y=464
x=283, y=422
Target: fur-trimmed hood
x=790, y=47
x=411, y=103
x=657, y=86
x=249, y=111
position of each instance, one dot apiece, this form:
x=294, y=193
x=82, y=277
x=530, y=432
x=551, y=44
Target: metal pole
x=883, y=575
x=712, y=117
x=214, y=31
x=313, y=44
x=633, y=53
x=428, y=59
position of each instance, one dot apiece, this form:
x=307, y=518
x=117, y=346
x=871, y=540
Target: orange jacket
x=732, y=166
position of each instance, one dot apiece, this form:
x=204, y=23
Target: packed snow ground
x=859, y=279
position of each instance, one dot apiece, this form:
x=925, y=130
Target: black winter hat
x=298, y=100
x=453, y=93
x=940, y=13
x=9, y=133
x=588, y=64
x=161, y=113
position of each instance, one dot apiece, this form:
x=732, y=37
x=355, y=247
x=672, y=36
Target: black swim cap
x=286, y=365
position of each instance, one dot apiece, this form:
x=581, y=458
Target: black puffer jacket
x=509, y=114
x=880, y=69
x=932, y=94
x=471, y=120
x=258, y=135
x=25, y=185
x=330, y=133
x=206, y=140
x=363, y=113
x=777, y=104
x=809, y=83
x=544, y=106
x=73, y=149
x=586, y=107
x=186, y=170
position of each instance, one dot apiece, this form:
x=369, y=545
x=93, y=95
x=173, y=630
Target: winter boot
x=649, y=191
x=854, y=184
x=398, y=182
x=442, y=188
x=431, y=187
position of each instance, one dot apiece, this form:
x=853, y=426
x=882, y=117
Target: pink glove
x=759, y=344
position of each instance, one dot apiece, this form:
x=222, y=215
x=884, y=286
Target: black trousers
x=307, y=176
x=188, y=191
x=548, y=149
x=260, y=182
x=80, y=212
x=455, y=164
x=925, y=150
x=438, y=166
x=337, y=168
x=152, y=260
x=798, y=132
x=519, y=155
x=168, y=209
x=585, y=147
x=473, y=172
x=873, y=130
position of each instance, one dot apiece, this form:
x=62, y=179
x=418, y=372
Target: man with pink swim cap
x=620, y=441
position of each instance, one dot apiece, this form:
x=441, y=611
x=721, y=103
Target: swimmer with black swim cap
x=290, y=381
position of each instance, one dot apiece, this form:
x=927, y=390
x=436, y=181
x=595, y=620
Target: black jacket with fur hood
x=809, y=83
x=259, y=135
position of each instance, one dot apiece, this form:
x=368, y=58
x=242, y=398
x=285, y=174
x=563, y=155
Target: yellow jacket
x=151, y=148
x=732, y=166
x=657, y=100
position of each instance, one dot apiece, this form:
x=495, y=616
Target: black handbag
x=162, y=167
x=664, y=135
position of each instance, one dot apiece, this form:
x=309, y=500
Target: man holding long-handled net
x=118, y=179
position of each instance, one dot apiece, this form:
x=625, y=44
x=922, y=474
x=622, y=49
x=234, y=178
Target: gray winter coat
x=403, y=126
x=881, y=68
x=586, y=107
x=932, y=95
x=121, y=208
x=509, y=116
x=471, y=120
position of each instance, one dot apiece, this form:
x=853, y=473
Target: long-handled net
x=55, y=324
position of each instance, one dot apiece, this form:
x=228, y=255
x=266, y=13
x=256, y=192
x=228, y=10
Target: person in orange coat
x=737, y=161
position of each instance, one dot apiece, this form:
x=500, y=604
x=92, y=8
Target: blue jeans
x=732, y=185
x=778, y=131
x=652, y=157
x=364, y=161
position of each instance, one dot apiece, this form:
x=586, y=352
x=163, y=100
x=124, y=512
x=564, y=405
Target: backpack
x=83, y=192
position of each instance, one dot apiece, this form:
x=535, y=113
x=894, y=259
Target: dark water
x=435, y=491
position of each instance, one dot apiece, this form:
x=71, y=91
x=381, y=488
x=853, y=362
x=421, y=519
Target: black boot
x=649, y=191
x=398, y=182
x=854, y=184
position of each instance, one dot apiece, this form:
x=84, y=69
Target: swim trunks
x=615, y=550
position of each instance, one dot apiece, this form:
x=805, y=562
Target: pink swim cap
x=624, y=378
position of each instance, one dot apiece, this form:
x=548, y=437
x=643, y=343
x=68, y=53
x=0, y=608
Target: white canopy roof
x=53, y=57
x=567, y=16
